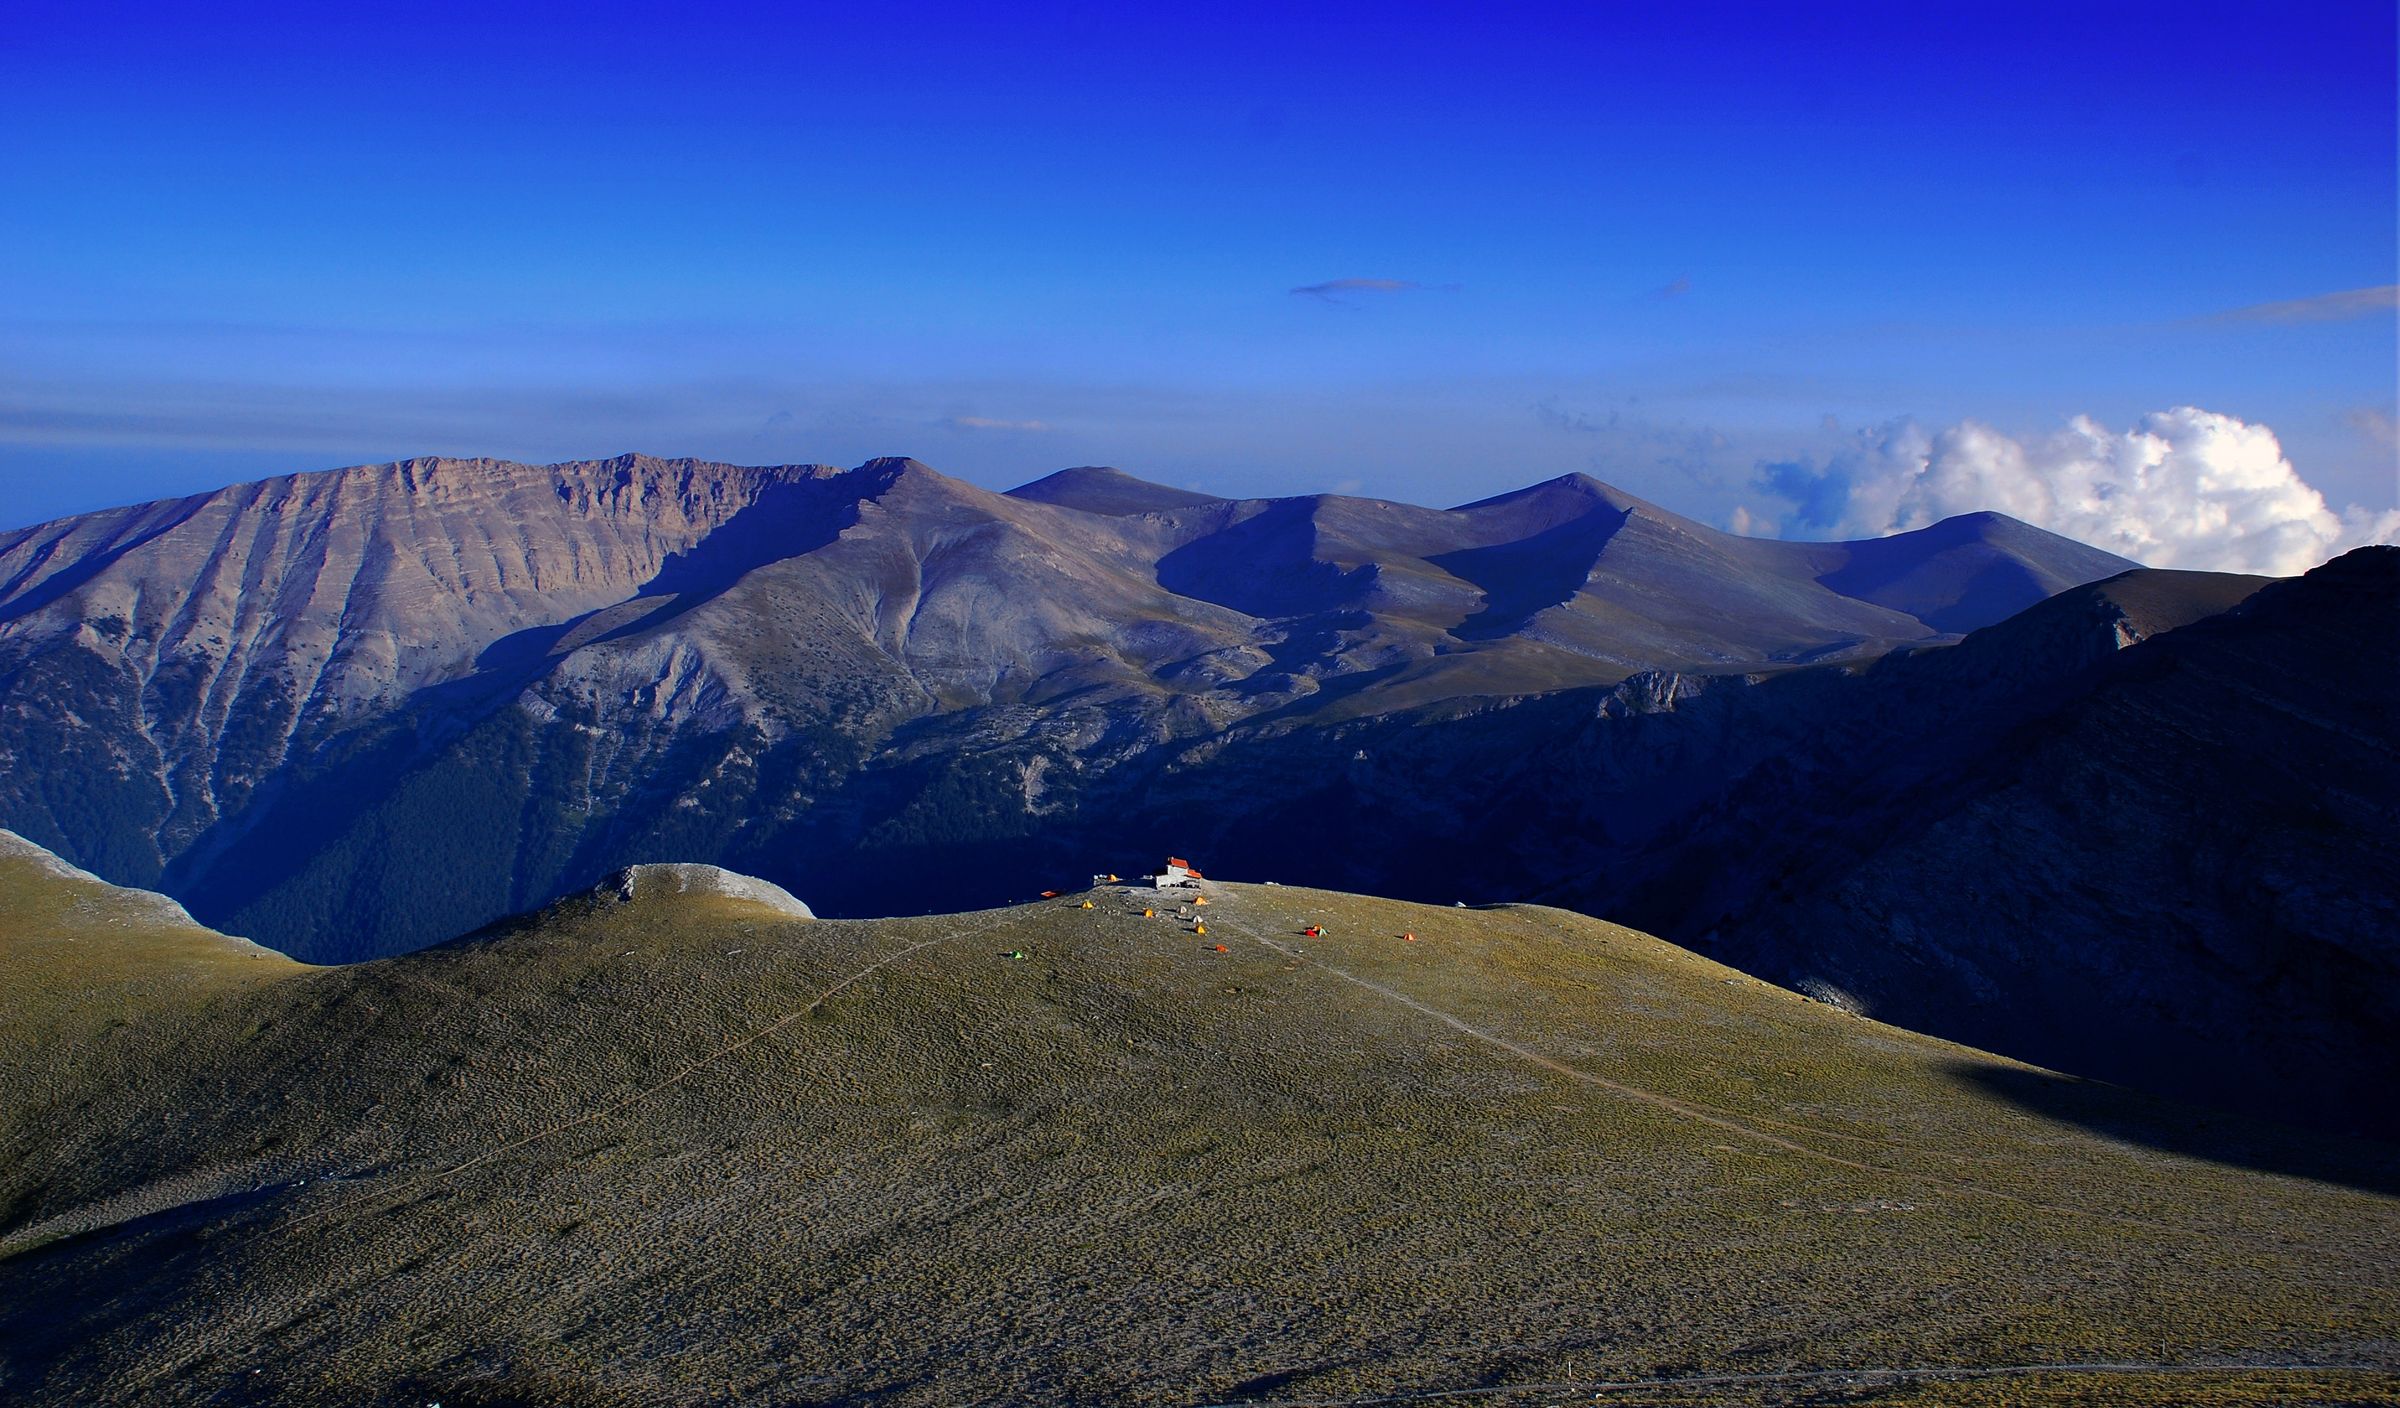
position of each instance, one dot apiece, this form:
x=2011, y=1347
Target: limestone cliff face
x=359, y=584
x=174, y=655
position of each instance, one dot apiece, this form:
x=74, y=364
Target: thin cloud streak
x=2379, y=301
x=1332, y=289
x=988, y=423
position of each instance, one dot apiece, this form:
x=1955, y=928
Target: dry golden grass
x=669, y=1153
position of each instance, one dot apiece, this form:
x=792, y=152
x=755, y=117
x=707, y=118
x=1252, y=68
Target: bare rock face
x=647, y=882
x=215, y=639
x=352, y=586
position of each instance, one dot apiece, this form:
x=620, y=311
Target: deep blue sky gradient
x=1660, y=244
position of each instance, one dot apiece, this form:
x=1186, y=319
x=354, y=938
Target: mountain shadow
x=1265, y=565
x=2234, y=1140
x=1524, y=578
x=61, y=583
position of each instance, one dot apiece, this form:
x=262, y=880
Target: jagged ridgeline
x=352, y=713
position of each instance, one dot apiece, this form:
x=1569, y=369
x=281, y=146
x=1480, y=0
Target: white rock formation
x=641, y=882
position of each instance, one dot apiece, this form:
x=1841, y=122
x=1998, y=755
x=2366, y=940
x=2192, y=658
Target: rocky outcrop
x=661, y=881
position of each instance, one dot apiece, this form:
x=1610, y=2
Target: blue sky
x=1663, y=245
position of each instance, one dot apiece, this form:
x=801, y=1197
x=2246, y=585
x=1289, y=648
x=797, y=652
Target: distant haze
x=1262, y=251
x=2182, y=488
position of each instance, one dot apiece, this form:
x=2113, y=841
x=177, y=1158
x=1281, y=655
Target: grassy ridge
x=682, y=1151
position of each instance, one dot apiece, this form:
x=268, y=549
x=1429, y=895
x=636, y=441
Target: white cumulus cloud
x=2181, y=488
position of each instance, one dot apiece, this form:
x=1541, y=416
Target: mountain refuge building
x=1179, y=874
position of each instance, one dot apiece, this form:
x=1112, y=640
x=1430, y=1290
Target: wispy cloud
x=2379, y=301
x=988, y=423
x=1333, y=289
x=1557, y=417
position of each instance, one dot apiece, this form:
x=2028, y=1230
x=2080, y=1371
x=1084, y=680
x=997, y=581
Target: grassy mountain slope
x=685, y=1149
x=85, y=959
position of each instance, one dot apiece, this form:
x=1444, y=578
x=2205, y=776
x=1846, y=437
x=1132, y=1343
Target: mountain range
x=1972, y=778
